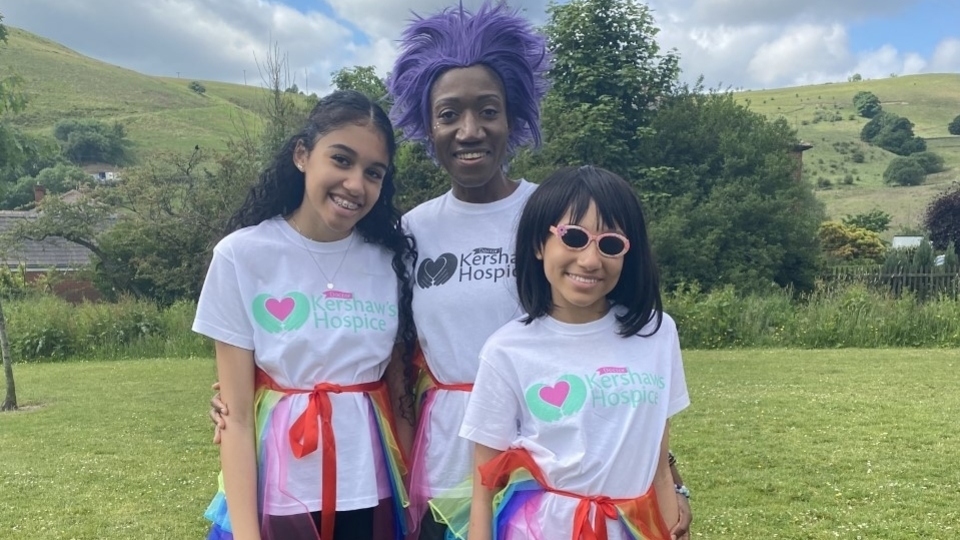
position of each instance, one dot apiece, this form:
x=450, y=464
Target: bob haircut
x=495, y=37
x=572, y=189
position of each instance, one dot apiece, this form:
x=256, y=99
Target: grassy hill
x=824, y=116
x=160, y=114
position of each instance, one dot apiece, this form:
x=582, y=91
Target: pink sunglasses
x=578, y=238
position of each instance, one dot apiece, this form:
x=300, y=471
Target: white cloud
x=946, y=57
x=804, y=54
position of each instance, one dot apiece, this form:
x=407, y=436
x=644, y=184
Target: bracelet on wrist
x=682, y=490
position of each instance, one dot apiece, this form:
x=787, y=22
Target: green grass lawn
x=777, y=444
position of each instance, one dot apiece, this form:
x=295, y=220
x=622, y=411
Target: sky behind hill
x=732, y=43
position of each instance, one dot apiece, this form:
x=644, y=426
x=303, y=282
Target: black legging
x=350, y=525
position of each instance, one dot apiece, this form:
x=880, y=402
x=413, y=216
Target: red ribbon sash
x=644, y=512
x=314, y=425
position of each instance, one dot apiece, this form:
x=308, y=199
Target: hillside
x=160, y=114
x=929, y=101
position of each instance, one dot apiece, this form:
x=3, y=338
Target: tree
x=57, y=179
x=724, y=204
x=929, y=161
x=942, y=217
x=875, y=220
x=197, y=87
x=362, y=79
x=608, y=77
x=845, y=243
x=88, y=141
x=954, y=127
x=923, y=257
x=904, y=171
x=151, y=233
x=9, y=100
x=283, y=112
x=856, y=77
x=867, y=104
x=892, y=133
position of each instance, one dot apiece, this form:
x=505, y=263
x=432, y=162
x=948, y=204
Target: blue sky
x=732, y=43
x=918, y=28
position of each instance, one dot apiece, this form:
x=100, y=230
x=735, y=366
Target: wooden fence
x=924, y=282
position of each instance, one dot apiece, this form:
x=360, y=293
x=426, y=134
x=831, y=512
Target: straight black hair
x=572, y=189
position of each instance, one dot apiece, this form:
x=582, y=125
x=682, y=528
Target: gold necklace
x=310, y=253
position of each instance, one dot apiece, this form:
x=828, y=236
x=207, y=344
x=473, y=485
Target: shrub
x=850, y=244
x=875, y=220
x=942, y=217
x=867, y=104
x=954, y=127
x=197, y=87
x=904, y=172
x=930, y=161
x=857, y=156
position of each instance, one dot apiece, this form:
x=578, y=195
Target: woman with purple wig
x=468, y=86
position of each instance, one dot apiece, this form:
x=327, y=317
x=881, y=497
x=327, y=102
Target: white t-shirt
x=265, y=293
x=588, y=405
x=464, y=289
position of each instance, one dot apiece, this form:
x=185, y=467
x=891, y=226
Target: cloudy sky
x=732, y=43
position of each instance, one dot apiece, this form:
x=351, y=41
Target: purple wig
x=495, y=37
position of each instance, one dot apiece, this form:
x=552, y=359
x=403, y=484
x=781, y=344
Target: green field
x=929, y=101
x=777, y=444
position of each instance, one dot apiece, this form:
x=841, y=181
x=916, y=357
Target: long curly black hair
x=281, y=186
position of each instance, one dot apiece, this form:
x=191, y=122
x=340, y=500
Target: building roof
x=906, y=241
x=52, y=252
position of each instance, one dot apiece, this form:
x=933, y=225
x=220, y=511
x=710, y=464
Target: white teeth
x=582, y=279
x=471, y=155
x=343, y=203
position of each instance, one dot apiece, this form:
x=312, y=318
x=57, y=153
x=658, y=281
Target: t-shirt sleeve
x=679, y=397
x=220, y=311
x=493, y=410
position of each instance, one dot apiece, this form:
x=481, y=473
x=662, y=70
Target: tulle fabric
x=517, y=516
x=420, y=489
x=390, y=518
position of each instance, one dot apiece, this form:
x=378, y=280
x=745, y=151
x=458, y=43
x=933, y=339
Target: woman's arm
x=402, y=402
x=235, y=369
x=663, y=482
x=481, y=507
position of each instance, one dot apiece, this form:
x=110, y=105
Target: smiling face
x=580, y=280
x=343, y=175
x=469, y=131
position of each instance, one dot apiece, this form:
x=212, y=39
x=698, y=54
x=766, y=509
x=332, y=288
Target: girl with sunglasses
x=569, y=411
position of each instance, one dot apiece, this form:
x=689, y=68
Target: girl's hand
x=218, y=410
x=681, y=531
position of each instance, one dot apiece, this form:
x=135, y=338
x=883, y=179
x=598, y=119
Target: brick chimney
x=39, y=192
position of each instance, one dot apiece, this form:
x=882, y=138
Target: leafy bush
x=954, y=127
x=197, y=87
x=904, y=172
x=931, y=162
x=850, y=244
x=87, y=141
x=892, y=133
x=875, y=220
x=867, y=104
x=44, y=327
x=942, y=217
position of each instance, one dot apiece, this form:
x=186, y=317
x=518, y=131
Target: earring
x=299, y=166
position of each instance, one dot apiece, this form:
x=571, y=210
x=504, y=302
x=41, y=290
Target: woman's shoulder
x=249, y=239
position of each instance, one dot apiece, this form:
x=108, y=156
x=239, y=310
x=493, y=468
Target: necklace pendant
x=330, y=286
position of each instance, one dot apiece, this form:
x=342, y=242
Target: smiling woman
x=301, y=360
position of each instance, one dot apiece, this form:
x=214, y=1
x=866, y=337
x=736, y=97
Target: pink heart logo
x=280, y=309
x=555, y=395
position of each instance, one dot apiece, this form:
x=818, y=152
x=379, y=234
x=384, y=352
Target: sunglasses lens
x=575, y=238
x=611, y=245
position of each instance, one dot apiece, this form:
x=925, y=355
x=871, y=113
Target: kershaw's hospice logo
x=332, y=310
x=479, y=264
x=606, y=387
